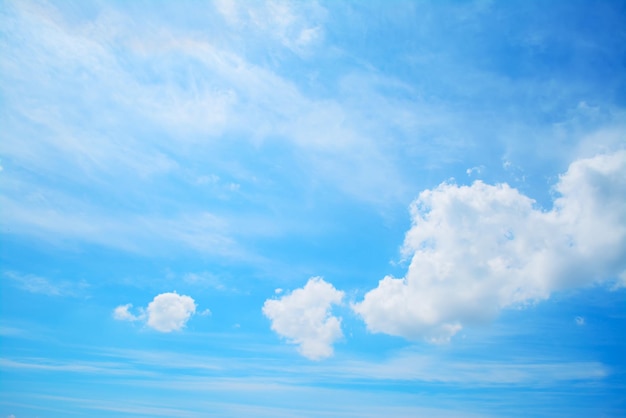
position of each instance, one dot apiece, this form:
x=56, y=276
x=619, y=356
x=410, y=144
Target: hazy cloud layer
x=42, y=285
x=477, y=249
x=303, y=317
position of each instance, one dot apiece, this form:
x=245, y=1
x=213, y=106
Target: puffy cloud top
x=477, y=249
x=303, y=317
x=167, y=312
x=170, y=311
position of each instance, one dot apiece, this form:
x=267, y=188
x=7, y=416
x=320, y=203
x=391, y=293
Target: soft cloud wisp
x=122, y=313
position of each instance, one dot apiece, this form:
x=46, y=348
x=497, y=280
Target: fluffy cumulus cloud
x=170, y=311
x=303, y=317
x=166, y=313
x=477, y=249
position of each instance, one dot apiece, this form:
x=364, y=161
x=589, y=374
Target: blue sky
x=305, y=209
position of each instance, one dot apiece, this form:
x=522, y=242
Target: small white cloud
x=278, y=291
x=303, y=317
x=580, y=320
x=474, y=170
x=122, y=313
x=478, y=249
x=170, y=311
x=167, y=312
x=206, y=312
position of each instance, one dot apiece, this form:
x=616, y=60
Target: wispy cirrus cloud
x=296, y=26
x=408, y=365
x=42, y=285
x=89, y=133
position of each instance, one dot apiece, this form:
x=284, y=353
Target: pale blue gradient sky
x=232, y=151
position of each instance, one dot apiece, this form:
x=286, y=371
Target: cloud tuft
x=166, y=313
x=122, y=313
x=303, y=318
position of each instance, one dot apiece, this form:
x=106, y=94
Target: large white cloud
x=304, y=318
x=478, y=249
x=167, y=312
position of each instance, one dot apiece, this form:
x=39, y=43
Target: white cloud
x=170, y=311
x=481, y=248
x=167, y=312
x=122, y=313
x=303, y=317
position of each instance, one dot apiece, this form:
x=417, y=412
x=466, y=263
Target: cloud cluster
x=166, y=313
x=304, y=318
x=474, y=251
x=478, y=249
